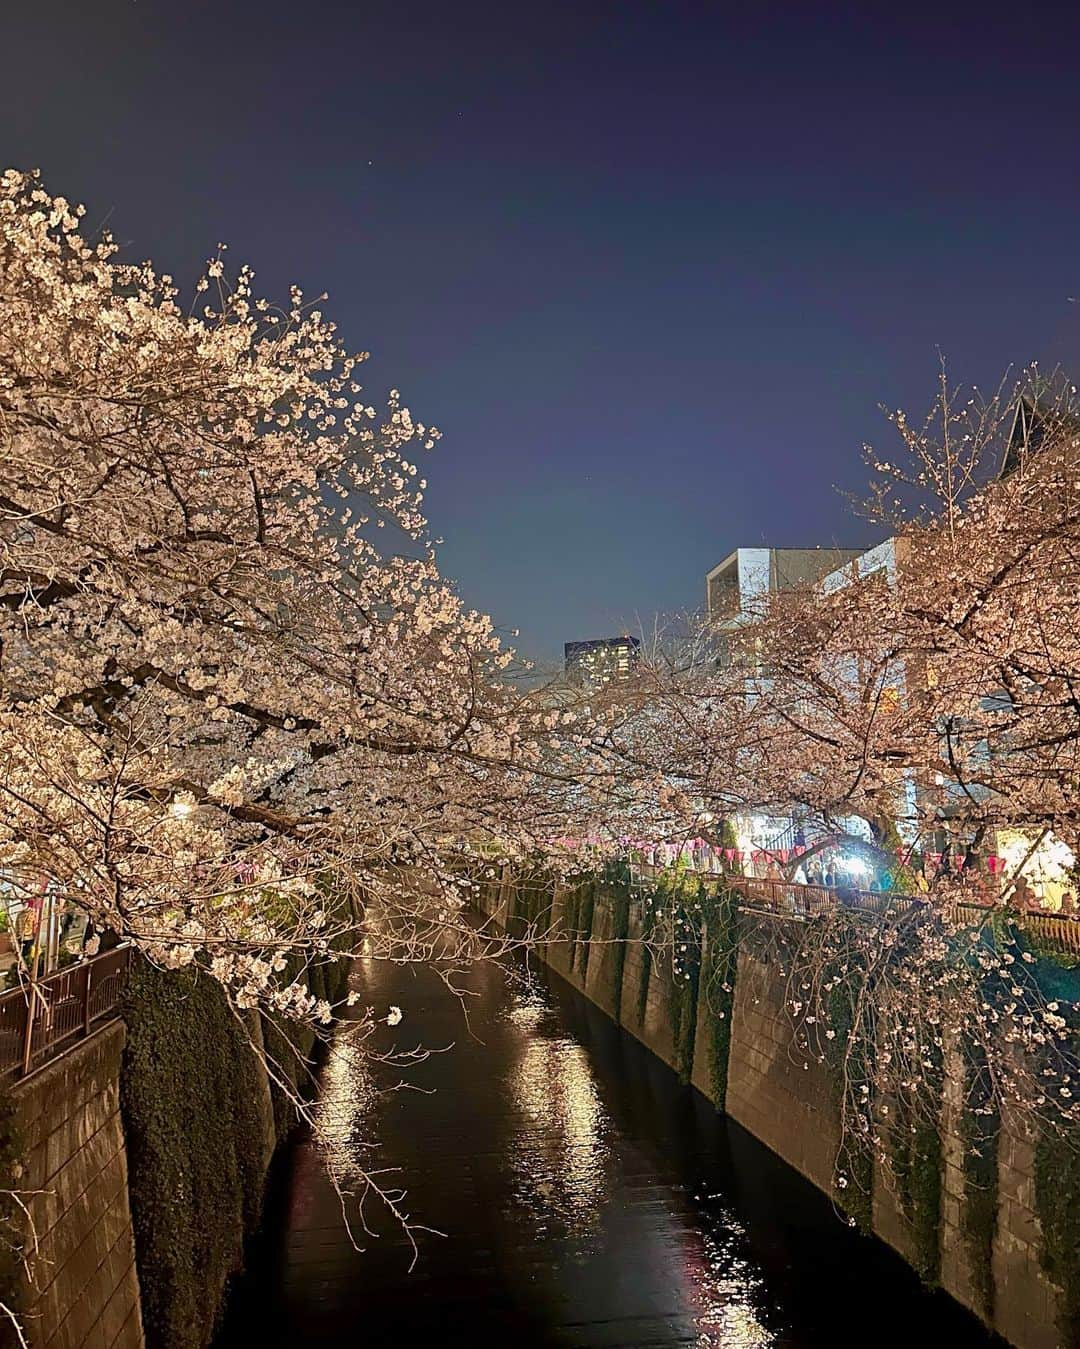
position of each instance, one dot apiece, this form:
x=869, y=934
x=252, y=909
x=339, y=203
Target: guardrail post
x=31, y=1011
x=89, y=974
x=28, y=1042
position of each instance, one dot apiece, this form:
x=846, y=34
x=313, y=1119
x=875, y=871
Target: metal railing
x=39, y=1021
x=792, y=900
x=805, y=901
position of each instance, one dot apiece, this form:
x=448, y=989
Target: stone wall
x=791, y=1106
x=83, y=1290
x=787, y=1103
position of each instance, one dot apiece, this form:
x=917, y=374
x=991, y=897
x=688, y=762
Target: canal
x=586, y=1200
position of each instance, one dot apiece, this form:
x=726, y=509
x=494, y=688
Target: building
x=600, y=660
x=884, y=560
x=1040, y=418
x=737, y=587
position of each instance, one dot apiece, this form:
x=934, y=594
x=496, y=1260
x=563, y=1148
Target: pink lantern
x=783, y=854
x=729, y=854
x=799, y=849
x=995, y=863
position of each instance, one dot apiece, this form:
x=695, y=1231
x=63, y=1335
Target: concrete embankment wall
x=790, y=1102
x=83, y=1289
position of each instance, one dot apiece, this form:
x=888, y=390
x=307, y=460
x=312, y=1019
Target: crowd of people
x=832, y=870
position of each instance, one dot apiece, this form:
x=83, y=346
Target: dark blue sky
x=650, y=267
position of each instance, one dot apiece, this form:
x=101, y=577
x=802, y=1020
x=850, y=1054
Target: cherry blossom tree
x=936, y=701
x=241, y=708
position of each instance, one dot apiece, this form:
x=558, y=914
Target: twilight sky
x=650, y=267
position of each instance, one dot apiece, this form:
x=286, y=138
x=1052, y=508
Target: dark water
x=587, y=1199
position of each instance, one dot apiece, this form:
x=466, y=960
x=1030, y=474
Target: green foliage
x=648, y=924
x=721, y=929
x=916, y=1156
x=196, y=1146
x=980, y=1129
x=619, y=897
x=846, y=1055
x=192, y=1093
x=1057, y=970
x=685, y=978
x=587, y=914
x=1057, y=1183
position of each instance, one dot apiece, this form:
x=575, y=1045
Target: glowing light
x=553, y=1088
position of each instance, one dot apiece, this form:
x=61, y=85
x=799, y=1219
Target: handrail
x=794, y=900
x=40, y=1020
x=804, y=901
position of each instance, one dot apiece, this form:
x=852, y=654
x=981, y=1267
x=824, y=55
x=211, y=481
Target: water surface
x=587, y=1200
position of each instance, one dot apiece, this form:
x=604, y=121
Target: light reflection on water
x=562, y=1163
x=726, y=1288
x=343, y=1112
x=561, y=1158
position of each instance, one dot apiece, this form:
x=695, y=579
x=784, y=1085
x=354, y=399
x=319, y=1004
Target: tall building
x=600, y=660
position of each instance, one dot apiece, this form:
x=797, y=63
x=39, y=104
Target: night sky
x=651, y=268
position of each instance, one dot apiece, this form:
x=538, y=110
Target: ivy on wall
x=916, y=1160
x=1057, y=1183
x=685, y=979
x=845, y=1055
x=980, y=1130
x=649, y=905
x=586, y=918
x=619, y=897
x=197, y=1139
x=1053, y=976
x=189, y=1094
x=721, y=941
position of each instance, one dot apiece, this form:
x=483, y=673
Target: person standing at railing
x=27, y=926
x=1024, y=897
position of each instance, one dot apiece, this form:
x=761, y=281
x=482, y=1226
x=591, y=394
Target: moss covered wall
x=202, y=1120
